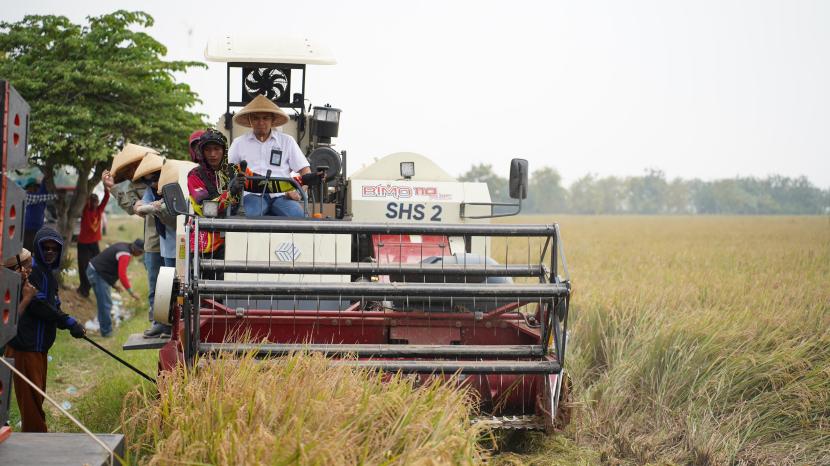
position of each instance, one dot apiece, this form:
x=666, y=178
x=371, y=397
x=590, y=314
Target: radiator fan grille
x=270, y=82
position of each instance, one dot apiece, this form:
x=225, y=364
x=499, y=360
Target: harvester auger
x=396, y=272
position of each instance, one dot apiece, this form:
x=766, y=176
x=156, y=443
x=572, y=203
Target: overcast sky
x=706, y=89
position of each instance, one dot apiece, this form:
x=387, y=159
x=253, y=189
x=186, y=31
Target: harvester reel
x=163, y=302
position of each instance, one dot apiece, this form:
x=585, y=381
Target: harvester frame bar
x=340, y=227
x=455, y=367
x=352, y=312
x=332, y=268
x=376, y=350
x=502, y=292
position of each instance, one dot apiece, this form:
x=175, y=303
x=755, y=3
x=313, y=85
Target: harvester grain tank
x=394, y=270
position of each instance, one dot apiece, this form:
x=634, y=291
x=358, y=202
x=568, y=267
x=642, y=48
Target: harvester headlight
x=407, y=170
x=210, y=209
x=325, y=122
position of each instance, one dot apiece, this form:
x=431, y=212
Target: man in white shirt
x=265, y=149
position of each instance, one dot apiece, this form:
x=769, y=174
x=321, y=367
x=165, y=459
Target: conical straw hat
x=131, y=154
x=171, y=170
x=151, y=163
x=260, y=104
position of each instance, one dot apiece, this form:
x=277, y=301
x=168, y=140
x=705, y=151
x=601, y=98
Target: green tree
x=592, y=195
x=679, y=197
x=545, y=193
x=92, y=88
x=647, y=194
x=585, y=196
x=484, y=173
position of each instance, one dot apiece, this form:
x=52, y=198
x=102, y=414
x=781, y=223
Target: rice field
x=694, y=340
x=297, y=410
x=697, y=340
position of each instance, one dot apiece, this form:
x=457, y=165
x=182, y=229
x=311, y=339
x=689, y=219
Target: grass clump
x=298, y=410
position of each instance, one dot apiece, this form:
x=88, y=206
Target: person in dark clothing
x=36, y=199
x=104, y=271
x=36, y=329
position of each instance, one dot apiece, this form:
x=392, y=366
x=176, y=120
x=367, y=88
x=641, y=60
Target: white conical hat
x=151, y=163
x=260, y=104
x=171, y=169
x=130, y=154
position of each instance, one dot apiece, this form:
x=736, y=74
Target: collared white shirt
x=279, y=153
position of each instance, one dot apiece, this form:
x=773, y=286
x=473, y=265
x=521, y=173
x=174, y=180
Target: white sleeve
x=233, y=152
x=296, y=159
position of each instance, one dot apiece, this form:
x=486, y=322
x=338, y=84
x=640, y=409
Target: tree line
x=653, y=193
x=92, y=88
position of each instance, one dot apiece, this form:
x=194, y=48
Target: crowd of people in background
x=134, y=181
x=229, y=175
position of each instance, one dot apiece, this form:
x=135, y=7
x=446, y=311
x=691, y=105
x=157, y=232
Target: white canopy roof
x=268, y=48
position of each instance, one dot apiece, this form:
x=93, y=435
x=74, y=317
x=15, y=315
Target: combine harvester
x=391, y=271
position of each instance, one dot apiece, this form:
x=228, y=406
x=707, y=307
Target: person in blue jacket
x=37, y=328
x=36, y=199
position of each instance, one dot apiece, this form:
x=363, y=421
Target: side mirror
x=518, y=179
x=174, y=199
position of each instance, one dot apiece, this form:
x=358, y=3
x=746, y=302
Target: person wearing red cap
x=193, y=141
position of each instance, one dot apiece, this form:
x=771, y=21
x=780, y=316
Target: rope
x=60, y=408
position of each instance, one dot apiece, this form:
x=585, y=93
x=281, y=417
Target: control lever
x=243, y=168
x=264, y=187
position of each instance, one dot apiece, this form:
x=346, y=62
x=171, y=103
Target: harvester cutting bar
x=331, y=268
x=335, y=227
x=385, y=290
x=382, y=351
x=452, y=367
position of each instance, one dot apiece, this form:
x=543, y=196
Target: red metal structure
x=14, y=130
x=415, y=308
